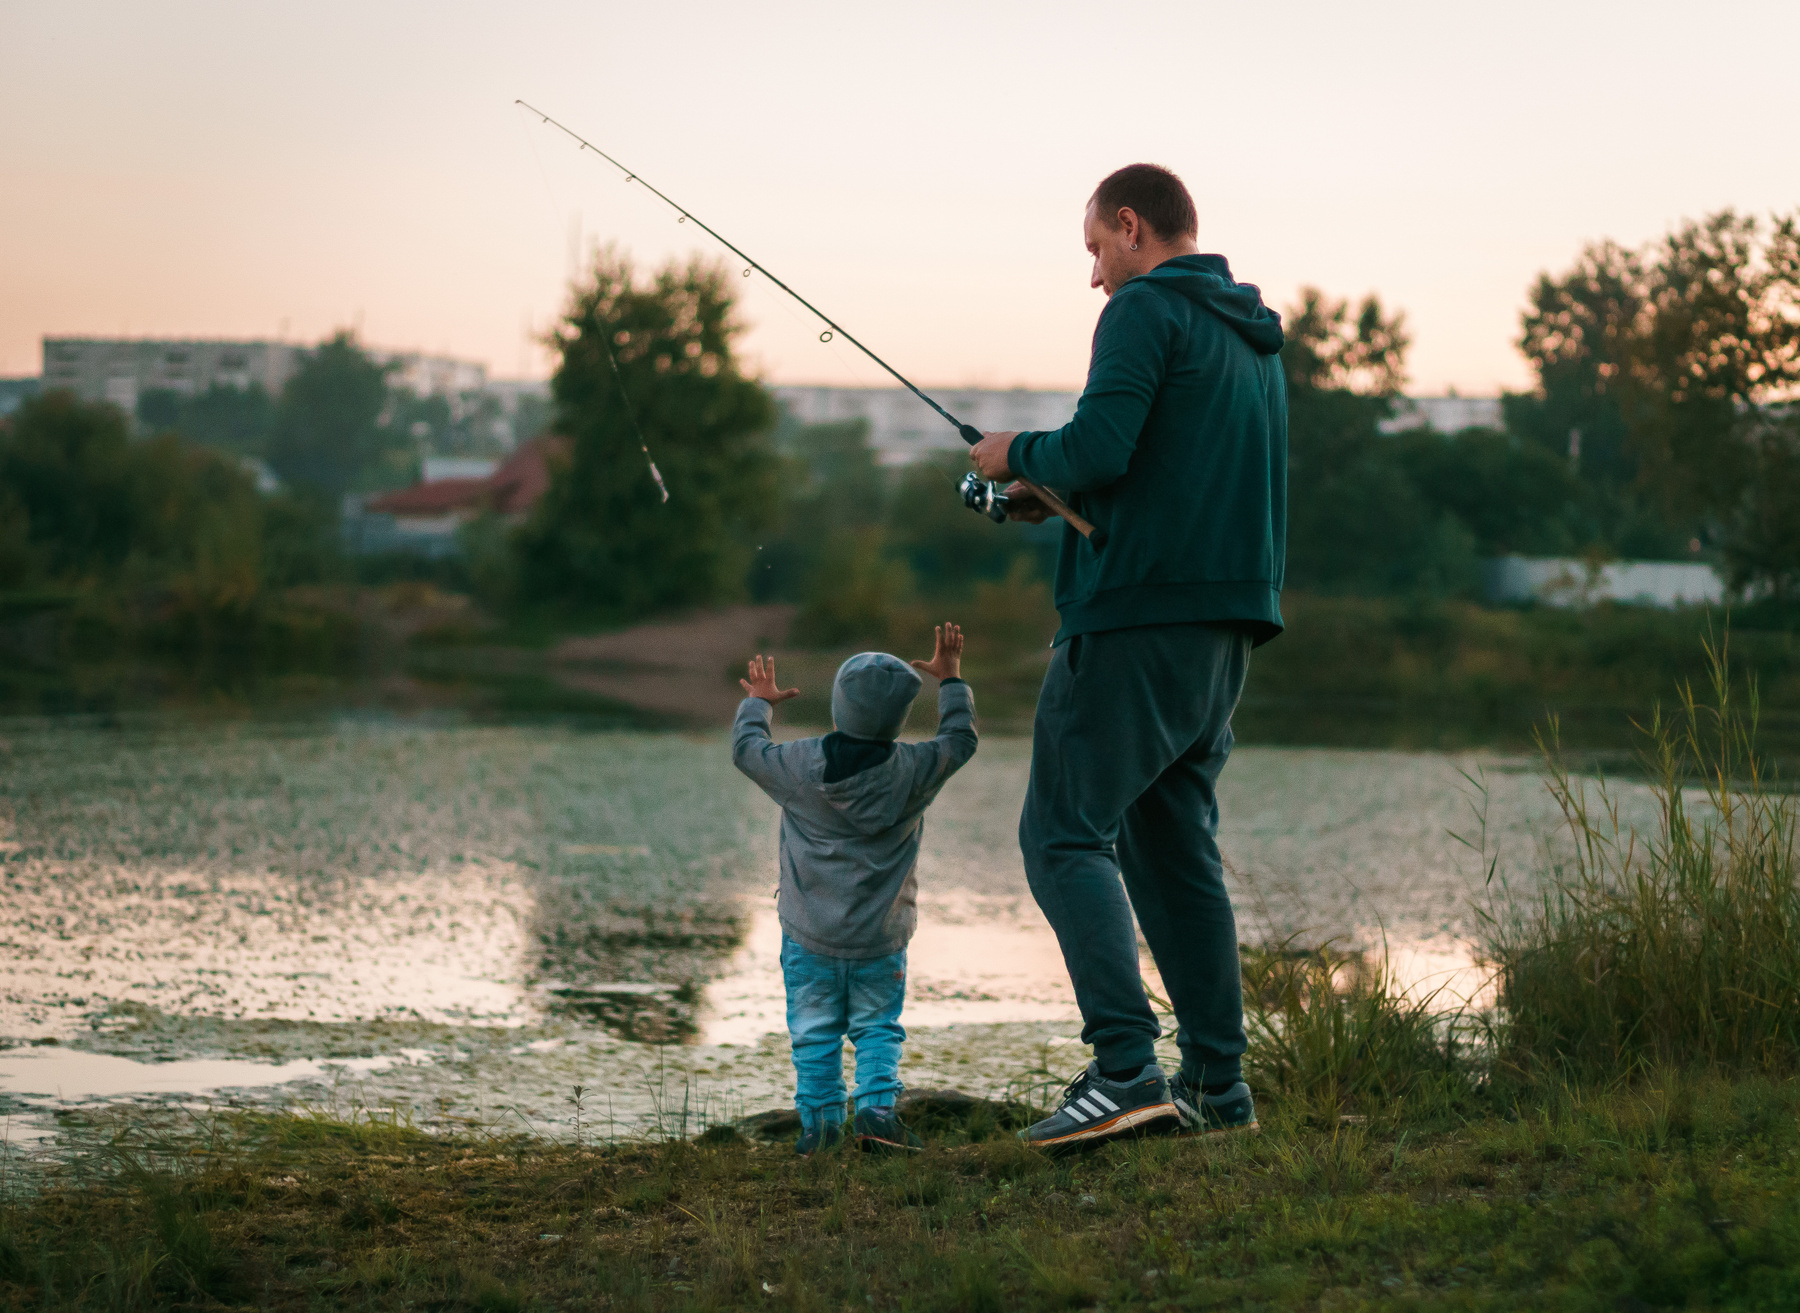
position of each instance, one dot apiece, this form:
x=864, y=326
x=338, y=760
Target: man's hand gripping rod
x=968, y=432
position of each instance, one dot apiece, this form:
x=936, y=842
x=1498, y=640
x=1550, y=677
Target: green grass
x=1675, y=1193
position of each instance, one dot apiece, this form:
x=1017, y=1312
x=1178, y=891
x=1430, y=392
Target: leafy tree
x=328, y=435
x=1511, y=495
x=855, y=589
x=950, y=549
x=196, y=526
x=227, y=418
x=828, y=481
x=159, y=409
x=90, y=508
x=1719, y=343
x=1674, y=363
x=1327, y=350
x=1579, y=335
x=1762, y=536
x=231, y=419
x=66, y=468
x=602, y=539
x=1357, y=522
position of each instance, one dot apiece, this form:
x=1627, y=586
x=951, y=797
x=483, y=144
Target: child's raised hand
x=761, y=683
x=946, y=654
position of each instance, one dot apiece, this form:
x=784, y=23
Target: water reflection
x=984, y=960
x=445, y=946
x=536, y=908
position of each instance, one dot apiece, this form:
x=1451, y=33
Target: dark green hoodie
x=1178, y=450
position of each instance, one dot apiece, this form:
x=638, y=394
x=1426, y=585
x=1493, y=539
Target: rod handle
x=1096, y=537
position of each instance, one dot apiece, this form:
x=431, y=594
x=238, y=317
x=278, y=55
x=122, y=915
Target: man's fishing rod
x=977, y=494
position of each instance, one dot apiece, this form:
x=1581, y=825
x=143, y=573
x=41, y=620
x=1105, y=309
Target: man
x=1178, y=450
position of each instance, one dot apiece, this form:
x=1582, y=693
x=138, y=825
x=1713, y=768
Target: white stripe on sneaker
x=1103, y=1101
x=1089, y=1108
x=1076, y=1111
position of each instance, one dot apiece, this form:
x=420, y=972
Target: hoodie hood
x=1206, y=280
x=872, y=694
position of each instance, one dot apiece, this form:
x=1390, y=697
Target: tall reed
x=1675, y=947
x=1337, y=1029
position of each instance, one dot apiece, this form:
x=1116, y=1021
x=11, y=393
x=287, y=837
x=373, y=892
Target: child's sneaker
x=1224, y=1113
x=1095, y=1108
x=825, y=1135
x=879, y=1128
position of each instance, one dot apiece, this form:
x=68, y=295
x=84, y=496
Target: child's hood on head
x=871, y=695
x=870, y=699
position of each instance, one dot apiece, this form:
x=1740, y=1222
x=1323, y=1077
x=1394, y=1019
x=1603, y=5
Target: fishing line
x=832, y=328
x=611, y=359
x=631, y=415
x=977, y=494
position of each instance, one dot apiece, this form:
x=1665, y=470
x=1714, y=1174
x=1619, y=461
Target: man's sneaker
x=1095, y=1108
x=825, y=1135
x=879, y=1128
x=1214, y=1114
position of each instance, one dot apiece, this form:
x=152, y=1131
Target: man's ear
x=1130, y=225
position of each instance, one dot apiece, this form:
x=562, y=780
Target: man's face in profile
x=1111, y=249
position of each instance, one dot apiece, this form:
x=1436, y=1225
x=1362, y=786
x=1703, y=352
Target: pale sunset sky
x=259, y=169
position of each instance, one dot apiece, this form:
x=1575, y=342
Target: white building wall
x=1444, y=414
x=119, y=370
x=1565, y=581
x=902, y=428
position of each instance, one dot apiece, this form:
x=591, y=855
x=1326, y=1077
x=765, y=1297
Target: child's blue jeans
x=828, y=998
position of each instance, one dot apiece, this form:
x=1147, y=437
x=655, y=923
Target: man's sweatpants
x=1133, y=728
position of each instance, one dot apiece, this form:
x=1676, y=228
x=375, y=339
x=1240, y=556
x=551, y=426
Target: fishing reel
x=980, y=495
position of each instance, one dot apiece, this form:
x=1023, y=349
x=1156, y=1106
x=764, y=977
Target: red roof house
x=511, y=490
x=425, y=517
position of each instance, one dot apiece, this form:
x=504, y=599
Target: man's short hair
x=1158, y=197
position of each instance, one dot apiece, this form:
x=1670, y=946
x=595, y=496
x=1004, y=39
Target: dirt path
x=685, y=668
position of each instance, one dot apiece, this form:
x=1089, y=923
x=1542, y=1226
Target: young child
x=852, y=811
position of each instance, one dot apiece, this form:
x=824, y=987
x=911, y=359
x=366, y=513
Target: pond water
x=465, y=922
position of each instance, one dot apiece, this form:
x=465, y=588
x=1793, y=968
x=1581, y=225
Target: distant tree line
x=160, y=524
x=1663, y=425
x=1658, y=429
x=338, y=425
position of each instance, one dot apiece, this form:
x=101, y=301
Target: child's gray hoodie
x=849, y=848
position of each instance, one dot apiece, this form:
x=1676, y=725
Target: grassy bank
x=1679, y=1193
x=1382, y=672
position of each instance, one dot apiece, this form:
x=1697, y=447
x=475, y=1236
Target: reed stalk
x=1679, y=947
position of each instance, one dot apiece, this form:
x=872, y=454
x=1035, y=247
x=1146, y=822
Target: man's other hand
x=990, y=454
x=1024, y=504
x=761, y=683
x=946, y=653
